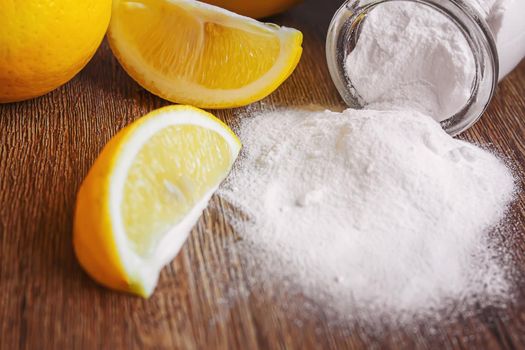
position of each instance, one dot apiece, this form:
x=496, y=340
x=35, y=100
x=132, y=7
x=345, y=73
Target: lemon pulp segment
x=179, y=45
x=163, y=184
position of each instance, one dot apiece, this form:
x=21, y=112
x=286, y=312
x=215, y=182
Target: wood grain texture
x=48, y=302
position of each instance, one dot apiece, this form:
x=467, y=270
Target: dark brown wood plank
x=203, y=299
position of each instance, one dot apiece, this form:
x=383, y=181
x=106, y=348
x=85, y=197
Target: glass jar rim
x=343, y=30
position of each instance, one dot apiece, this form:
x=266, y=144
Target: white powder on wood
x=411, y=56
x=373, y=210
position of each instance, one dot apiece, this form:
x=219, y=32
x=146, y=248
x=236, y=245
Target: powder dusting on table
x=381, y=212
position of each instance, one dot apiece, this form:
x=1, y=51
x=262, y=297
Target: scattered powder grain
x=373, y=210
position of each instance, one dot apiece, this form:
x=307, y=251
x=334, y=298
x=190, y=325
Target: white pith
x=139, y=269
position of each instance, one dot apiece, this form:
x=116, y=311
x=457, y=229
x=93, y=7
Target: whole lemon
x=45, y=43
x=255, y=8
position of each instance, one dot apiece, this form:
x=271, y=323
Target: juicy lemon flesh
x=169, y=175
x=181, y=46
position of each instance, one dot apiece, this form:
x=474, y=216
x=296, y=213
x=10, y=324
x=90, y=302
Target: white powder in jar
x=411, y=56
x=380, y=211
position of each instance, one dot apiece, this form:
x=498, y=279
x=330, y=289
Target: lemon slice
x=194, y=53
x=144, y=193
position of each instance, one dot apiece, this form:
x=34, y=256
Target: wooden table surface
x=47, y=301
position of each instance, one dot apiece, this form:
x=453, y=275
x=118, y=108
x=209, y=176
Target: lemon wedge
x=195, y=53
x=145, y=192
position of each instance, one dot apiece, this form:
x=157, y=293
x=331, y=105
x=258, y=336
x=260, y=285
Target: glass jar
x=345, y=30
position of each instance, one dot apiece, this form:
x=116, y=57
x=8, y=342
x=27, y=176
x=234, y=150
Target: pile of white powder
x=411, y=56
x=369, y=210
